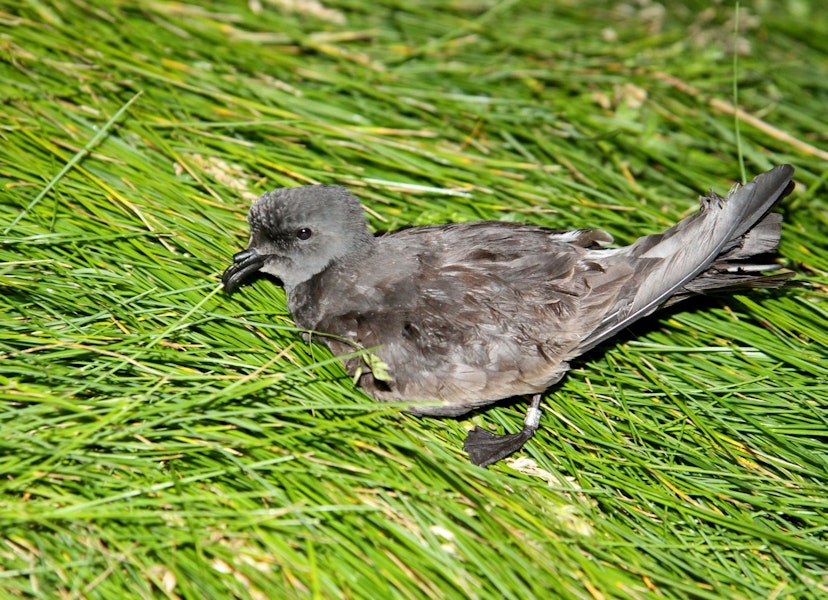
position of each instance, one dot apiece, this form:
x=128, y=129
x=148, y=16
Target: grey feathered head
x=296, y=233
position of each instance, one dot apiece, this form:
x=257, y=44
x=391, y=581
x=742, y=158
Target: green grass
x=161, y=439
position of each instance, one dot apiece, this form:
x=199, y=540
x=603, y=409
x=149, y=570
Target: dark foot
x=485, y=448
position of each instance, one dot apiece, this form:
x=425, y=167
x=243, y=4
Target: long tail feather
x=706, y=251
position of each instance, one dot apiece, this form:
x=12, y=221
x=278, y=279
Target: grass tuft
x=160, y=439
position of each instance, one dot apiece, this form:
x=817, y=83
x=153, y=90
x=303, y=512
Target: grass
x=160, y=439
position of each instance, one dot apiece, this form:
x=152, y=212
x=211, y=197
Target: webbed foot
x=485, y=448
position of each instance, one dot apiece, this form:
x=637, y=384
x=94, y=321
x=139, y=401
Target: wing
x=465, y=314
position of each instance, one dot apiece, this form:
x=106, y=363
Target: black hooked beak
x=245, y=264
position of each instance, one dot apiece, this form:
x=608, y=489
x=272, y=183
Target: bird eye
x=304, y=233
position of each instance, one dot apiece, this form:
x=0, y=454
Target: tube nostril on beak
x=242, y=256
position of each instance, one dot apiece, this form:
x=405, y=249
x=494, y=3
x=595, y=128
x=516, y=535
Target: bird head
x=296, y=233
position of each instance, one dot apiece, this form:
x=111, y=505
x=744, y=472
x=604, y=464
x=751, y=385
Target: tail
x=709, y=251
